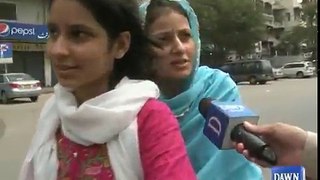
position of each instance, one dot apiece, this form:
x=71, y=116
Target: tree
x=310, y=17
x=229, y=24
x=302, y=38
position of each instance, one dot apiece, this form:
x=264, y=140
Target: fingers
x=261, y=163
x=258, y=130
x=239, y=147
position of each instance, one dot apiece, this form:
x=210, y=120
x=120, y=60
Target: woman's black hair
x=117, y=16
x=159, y=7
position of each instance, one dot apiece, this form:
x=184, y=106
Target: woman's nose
x=177, y=45
x=58, y=47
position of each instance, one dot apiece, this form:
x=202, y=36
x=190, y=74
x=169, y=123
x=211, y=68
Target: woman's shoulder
x=155, y=109
x=207, y=71
x=153, y=105
x=216, y=84
x=213, y=76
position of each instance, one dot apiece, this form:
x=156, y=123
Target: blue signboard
x=6, y=53
x=23, y=32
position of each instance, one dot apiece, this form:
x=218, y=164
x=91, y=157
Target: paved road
x=290, y=100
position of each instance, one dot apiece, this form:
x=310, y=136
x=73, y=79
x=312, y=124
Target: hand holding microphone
x=224, y=125
x=287, y=141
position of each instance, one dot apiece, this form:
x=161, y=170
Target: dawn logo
x=4, y=30
x=288, y=173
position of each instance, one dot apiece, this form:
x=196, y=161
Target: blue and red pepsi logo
x=4, y=30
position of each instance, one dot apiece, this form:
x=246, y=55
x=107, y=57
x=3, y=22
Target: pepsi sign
x=23, y=32
x=4, y=30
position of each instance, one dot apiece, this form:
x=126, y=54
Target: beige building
x=23, y=23
x=280, y=16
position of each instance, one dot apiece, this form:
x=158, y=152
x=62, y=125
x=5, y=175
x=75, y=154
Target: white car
x=19, y=85
x=298, y=69
x=277, y=73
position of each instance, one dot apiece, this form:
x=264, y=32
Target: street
x=291, y=101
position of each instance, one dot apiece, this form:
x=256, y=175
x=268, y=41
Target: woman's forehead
x=169, y=22
x=169, y=31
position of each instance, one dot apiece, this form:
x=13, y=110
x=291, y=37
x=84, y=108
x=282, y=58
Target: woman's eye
x=78, y=34
x=53, y=33
x=185, y=36
x=163, y=38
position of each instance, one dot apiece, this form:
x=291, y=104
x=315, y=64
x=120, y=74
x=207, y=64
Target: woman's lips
x=181, y=63
x=65, y=68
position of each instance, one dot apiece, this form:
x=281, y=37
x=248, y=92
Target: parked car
x=19, y=85
x=298, y=69
x=254, y=71
x=277, y=73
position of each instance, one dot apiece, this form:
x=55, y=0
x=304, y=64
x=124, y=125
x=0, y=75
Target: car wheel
x=299, y=74
x=253, y=80
x=34, y=99
x=4, y=98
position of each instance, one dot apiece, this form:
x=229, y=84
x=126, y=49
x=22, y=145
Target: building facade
x=280, y=16
x=22, y=23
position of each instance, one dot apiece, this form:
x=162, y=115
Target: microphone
x=224, y=124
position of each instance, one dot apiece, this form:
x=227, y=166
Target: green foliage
x=302, y=34
x=229, y=24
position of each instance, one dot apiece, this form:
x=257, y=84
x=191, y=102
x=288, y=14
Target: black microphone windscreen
x=204, y=106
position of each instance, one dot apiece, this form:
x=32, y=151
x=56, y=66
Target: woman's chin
x=177, y=76
x=70, y=86
x=182, y=75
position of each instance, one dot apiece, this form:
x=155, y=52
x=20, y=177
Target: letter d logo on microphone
x=221, y=118
x=215, y=126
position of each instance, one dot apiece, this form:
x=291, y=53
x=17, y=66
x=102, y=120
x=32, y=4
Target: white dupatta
x=109, y=118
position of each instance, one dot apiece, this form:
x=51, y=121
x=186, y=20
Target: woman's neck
x=171, y=88
x=91, y=90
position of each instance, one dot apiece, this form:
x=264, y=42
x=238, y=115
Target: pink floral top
x=81, y=162
x=161, y=146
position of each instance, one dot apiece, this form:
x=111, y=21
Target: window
x=251, y=66
x=1, y=79
x=288, y=66
x=226, y=68
x=293, y=66
x=297, y=65
x=266, y=64
x=288, y=16
x=8, y=11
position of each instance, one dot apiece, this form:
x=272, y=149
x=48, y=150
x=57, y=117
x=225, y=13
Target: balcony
x=278, y=25
x=297, y=5
x=277, y=5
x=268, y=17
x=269, y=1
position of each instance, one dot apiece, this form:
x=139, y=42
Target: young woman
x=103, y=121
x=173, y=26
